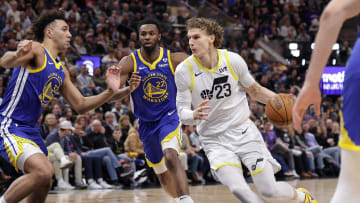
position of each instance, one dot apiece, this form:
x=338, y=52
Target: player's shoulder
x=183, y=66
x=37, y=47
x=178, y=57
x=231, y=54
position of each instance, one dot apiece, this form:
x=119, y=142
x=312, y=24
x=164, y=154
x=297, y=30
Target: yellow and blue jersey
x=156, y=95
x=154, y=103
x=28, y=91
x=350, y=119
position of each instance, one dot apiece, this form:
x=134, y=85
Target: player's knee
x=242, y=193
x=44, y=176
x=171, y=160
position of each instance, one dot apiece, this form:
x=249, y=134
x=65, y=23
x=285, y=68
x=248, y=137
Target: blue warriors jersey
x=29, y=90
x=350, y=134
x=156, y=95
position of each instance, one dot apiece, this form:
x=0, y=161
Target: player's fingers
x=204, y=102
x=297, y=118
x=202, y=116
x=203, y=108
x=317, y=108
x=29, y=44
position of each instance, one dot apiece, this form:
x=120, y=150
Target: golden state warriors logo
x=51, y=86
x=155, y=87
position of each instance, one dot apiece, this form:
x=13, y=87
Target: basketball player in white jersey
x=215, y=81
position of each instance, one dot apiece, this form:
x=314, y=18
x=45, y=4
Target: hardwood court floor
x=322, y=189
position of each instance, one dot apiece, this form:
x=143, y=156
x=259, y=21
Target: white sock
x=2, y=199
x=185, y=199
x=91, y=180
x=100, y=180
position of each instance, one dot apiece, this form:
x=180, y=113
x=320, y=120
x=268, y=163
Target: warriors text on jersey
x=155, y=97
x=29, y=90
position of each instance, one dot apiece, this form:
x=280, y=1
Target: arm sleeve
x=183, y=97
x=241, y=69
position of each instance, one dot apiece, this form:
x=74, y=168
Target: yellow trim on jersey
x=192, y=75
x=206, y=69
x=171, y=66
x=257, y=171
x=19, y=143
x=57, y=65
x=134, y=59
x=151, y=66
x=224, y=164
x=345, y=141
x=41, y=68
x=230, y=67
x=150, y=164
x=171, y=135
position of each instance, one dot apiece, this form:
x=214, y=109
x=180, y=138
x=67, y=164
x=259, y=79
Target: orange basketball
x=279, y=109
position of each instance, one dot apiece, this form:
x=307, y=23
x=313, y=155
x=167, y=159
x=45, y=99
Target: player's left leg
x=168, y=183
x=266, y=184
x=177, y=172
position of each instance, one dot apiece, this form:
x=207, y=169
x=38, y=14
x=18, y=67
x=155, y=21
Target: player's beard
x=149, y=50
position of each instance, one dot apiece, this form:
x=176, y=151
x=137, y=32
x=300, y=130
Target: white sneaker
x=62, y=185
x=295, y=174
x=65, y=163
x=105, y=185
x=94, y=186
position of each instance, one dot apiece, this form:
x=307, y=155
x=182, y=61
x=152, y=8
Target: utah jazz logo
x=220, y=87
x=51, y=86
x=155, y=87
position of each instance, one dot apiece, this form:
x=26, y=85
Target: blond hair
x=210, y=26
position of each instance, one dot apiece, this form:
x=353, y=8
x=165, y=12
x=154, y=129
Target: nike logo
x=171, y=113
x=50, y=63
x=244, y=131
x=197, y=74
x=142, y=67
x=253, y=167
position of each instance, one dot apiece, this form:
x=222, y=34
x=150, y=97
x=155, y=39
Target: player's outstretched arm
x=331, y=22
x=123, y=92
x=26, y=51
x=126, y=66
x=259, y=93
x=83, y=104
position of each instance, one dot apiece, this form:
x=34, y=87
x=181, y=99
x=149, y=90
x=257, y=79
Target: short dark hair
x=149, y=21
x=38, y=27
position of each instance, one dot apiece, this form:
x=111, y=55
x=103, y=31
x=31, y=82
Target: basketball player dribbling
x=331, y=21
x=215, y=82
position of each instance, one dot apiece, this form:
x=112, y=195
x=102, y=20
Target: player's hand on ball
x=199, y=113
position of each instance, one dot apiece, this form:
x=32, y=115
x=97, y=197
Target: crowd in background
x=108, y=135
